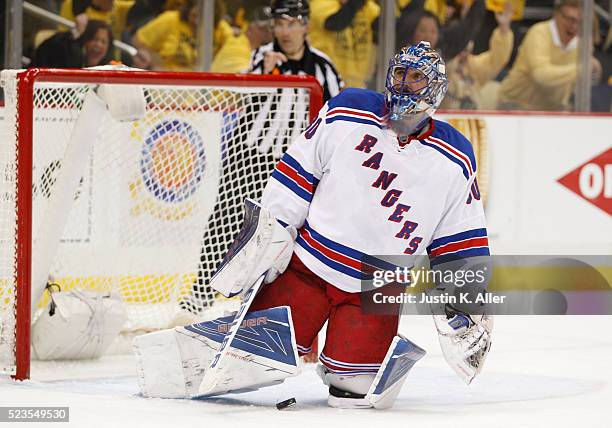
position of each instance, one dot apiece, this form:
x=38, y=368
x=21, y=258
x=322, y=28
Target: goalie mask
x=415, y=86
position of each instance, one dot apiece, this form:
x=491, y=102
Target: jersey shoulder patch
x=357, y=105
x=453, y=145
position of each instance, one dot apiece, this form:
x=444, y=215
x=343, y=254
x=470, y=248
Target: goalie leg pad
x=172, y=363
x=398, y=362
x=263, y=245
x=364, y=391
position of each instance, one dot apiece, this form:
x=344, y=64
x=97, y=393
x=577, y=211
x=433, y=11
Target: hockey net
x=156, y=201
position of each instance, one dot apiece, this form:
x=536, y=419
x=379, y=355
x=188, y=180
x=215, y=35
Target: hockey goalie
x=373, y=174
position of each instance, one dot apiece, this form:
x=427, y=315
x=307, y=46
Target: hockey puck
x=286, y=404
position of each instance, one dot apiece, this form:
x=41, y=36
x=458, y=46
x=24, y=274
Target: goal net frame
x=26, y=81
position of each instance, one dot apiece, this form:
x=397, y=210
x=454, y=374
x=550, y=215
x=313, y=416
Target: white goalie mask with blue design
x=416, y=84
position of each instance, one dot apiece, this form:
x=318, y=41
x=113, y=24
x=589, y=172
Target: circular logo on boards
x=173, y=161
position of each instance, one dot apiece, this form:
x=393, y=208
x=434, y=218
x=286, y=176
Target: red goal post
x=198, y=123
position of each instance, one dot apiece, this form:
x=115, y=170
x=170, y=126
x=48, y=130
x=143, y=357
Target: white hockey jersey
x=351, y=191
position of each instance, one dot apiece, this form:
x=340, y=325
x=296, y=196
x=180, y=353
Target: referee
x=290, y=52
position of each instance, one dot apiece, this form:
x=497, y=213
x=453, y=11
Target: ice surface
x=542, y=371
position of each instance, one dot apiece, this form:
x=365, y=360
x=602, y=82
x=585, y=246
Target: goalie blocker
x=263, y=246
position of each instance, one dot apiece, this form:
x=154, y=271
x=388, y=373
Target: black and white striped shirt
x=314, y=63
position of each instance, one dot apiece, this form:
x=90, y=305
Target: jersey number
x=312, y=129
x=474, y=192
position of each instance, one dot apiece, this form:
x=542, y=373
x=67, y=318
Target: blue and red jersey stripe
x=469, y=243
x=466, y=161
x=354, y=115
x=340, y=257
x=292, y=175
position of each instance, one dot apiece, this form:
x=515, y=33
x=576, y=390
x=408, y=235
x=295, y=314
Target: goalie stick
x=211, y=376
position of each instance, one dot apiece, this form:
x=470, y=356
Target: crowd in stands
x=496, y=57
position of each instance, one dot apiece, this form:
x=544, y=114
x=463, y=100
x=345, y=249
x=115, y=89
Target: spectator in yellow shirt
x=489, y=23
x=343, y=30
x=170, y=39
x=235, y=55
x=544, y=73
x=440, y=8
x=113, y=12
x=450, y=39
x=142, y=12
x=468, y=73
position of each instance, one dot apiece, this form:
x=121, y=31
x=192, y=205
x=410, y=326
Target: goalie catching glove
x=263, y=246
x=463, y=324
x=465, y=341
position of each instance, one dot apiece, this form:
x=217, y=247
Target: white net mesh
x=155, y=203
